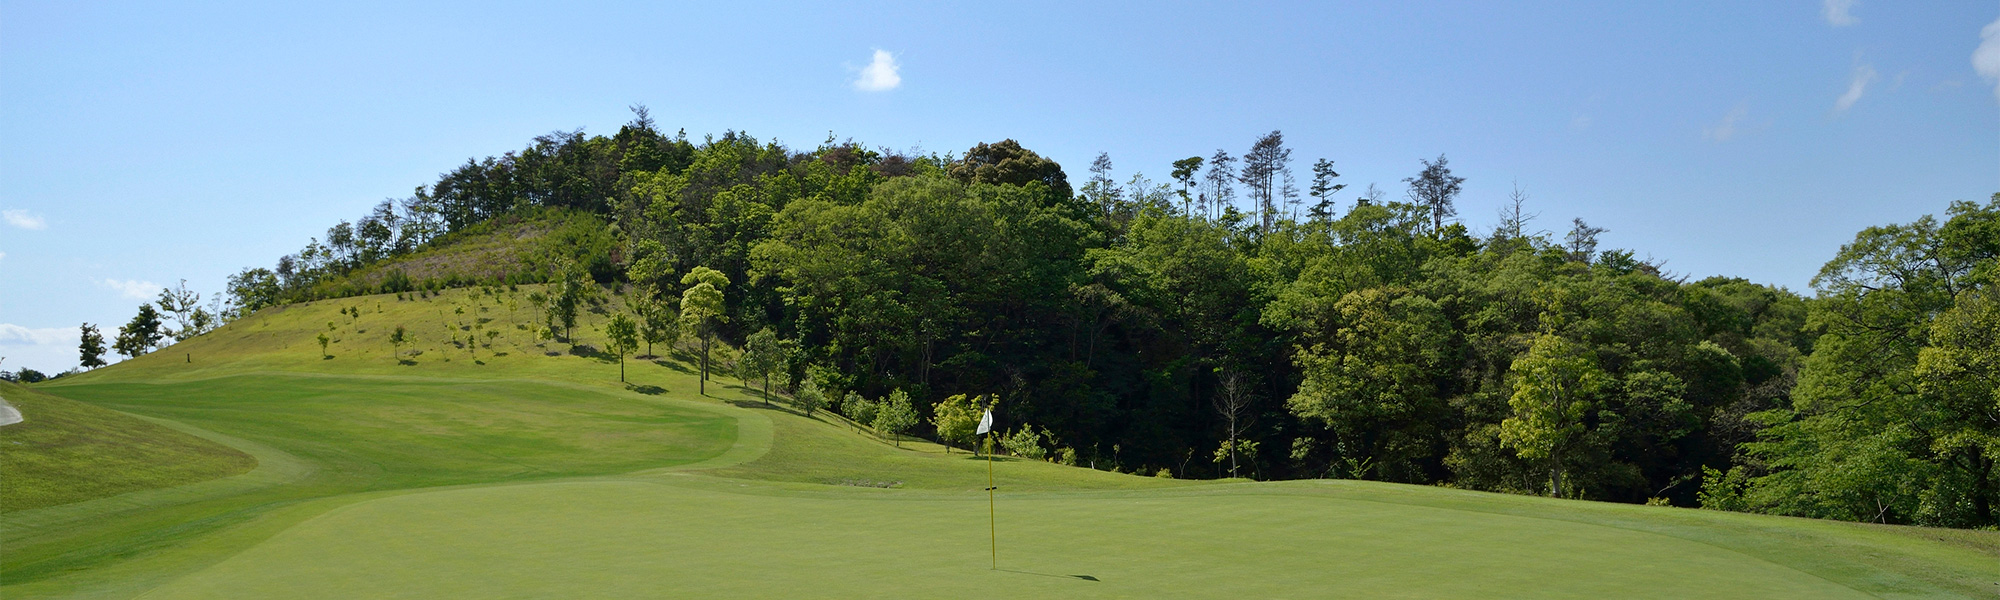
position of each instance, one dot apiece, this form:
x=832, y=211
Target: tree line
x=1233, y=322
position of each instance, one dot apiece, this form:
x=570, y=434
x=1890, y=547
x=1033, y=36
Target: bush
x=1024, y=442
x=859, y=409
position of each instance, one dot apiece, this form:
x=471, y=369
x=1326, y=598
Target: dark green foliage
x=141, y=334
x=90, y=347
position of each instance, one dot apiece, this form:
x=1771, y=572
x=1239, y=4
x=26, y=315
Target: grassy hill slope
x=518, y=469
x=67, y=451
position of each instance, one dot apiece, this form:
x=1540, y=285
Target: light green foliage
x=809, y=397
x=624, y=337
x=1242, y=449
x=763, y=356
x=1372, y=381
x=396, y=340
x=859, y=409
x=1893, y=419
x=896, y=416
x=702, y=309
x=1554, y=386
x=323, y=340
x=1024, y=442
x=956, y=419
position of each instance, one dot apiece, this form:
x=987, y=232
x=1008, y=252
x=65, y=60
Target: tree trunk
x=704, y=365
x=621, y=367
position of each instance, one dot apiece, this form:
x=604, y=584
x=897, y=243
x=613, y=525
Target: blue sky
x=141, y=144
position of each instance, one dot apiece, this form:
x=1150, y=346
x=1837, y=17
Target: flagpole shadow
x=1082, y=577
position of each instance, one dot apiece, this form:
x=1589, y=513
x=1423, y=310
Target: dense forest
x=1227, y=322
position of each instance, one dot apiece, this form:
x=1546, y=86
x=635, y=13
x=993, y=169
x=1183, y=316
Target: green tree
x=657, y=324
x=1893, y=419
x=90, y=347
x=809, y=397
x=1184, y=172
x=624, y=338
x=1007, y=162
x=141, y=334
x=896, y=416
x=763, y=355
x=571, y=290
x=183, y=305
x=323, y=340
x=1024, y=442
x=396, y=340
x=1373, y=379
x=956, y=418
x=1554, y=386
x=702, y=310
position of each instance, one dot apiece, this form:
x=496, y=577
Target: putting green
x=640, y=539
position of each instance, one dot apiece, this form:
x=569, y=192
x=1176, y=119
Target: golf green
x=647, y=539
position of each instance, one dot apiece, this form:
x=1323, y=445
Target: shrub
x=1024, y=442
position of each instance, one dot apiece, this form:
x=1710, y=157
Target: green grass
x=70, y=451
x=514, y=473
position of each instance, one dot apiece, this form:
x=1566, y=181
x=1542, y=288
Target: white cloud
x=49, y=350
x=1581, y=122
x=1838, y=13
x=133, y=288
x=16, y=334
x=1986, y=59
x=1721, y=132
x=21, y=218
x=1863, y=75
x=881, y=75
x=3, y=256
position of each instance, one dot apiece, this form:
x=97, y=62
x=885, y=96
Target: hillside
x=527, y=470
x=69, y=451
x=1149, y=327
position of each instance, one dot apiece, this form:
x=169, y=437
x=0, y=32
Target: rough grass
x=527, y=471
x=67, y=451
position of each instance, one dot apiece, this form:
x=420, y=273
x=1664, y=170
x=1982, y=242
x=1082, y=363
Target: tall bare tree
x=1232, y=401
x=1435, y=188
x=1265, y=167
x=1221, y=179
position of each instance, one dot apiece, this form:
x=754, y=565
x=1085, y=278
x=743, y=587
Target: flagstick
x=992, y=522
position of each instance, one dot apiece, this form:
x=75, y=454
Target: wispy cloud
x=21, y=218
x=1856, y=86
x=881, y=74
x=1838, y=13
x=49, y=350
x=16, y=334
x=1986, y=59
x=1725, y=130
x=1581, y=122
x=133, y=288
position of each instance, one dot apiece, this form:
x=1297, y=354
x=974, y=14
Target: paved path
x=8, y=416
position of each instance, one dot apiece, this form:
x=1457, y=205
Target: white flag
x=985, y=422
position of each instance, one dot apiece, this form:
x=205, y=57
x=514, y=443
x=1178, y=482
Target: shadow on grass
x=673, y=365
x=406, y=362
x=996, y=458
x=1082, y=577
x=650, y=390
